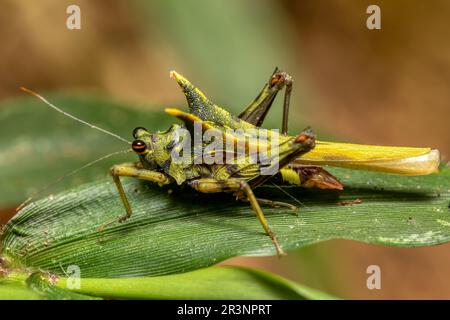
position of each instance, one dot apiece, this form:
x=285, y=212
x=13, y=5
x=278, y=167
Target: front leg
x=133, y=170
x=210, y=185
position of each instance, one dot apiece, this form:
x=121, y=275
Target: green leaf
x=40, y=283
x=39, y=145
x=183, y=230
x=19, y=285
x=186, y=230
x=211, y=283
x=10, y=290
x=226, y=282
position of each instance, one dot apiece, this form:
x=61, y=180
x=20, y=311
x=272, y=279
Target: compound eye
x=139, y=146
x=136, y=131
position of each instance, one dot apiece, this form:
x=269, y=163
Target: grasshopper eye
x=139, y=146
x=136, y=131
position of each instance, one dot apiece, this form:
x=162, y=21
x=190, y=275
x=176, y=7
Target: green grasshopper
x=297, y=161
x=155, y=161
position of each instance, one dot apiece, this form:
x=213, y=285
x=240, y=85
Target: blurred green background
x=387, y=86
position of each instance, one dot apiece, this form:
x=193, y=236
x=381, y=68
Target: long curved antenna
x=27, y=201
x=71, y=116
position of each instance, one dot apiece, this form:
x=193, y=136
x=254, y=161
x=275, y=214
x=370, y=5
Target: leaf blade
x=186, y=230
x=215, y=283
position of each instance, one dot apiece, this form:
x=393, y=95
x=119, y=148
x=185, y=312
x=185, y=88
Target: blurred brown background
x=387, y=86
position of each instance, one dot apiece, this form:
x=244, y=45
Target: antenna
x=71, y=116
x=289, y=195
x=27, y=201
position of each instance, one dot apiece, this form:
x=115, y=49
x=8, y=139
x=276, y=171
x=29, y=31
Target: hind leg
x=239, y=186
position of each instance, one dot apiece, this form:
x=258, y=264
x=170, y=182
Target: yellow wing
x=398, y=160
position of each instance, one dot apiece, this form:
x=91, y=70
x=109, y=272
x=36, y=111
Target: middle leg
x=209, y=185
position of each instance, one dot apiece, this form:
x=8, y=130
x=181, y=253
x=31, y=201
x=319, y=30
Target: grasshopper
x=155, y=162
x=299, y=158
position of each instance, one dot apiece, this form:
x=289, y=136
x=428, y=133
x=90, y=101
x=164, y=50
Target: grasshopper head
x=144, y=147
x=154, y=149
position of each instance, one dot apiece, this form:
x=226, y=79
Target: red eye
x=139, y=146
